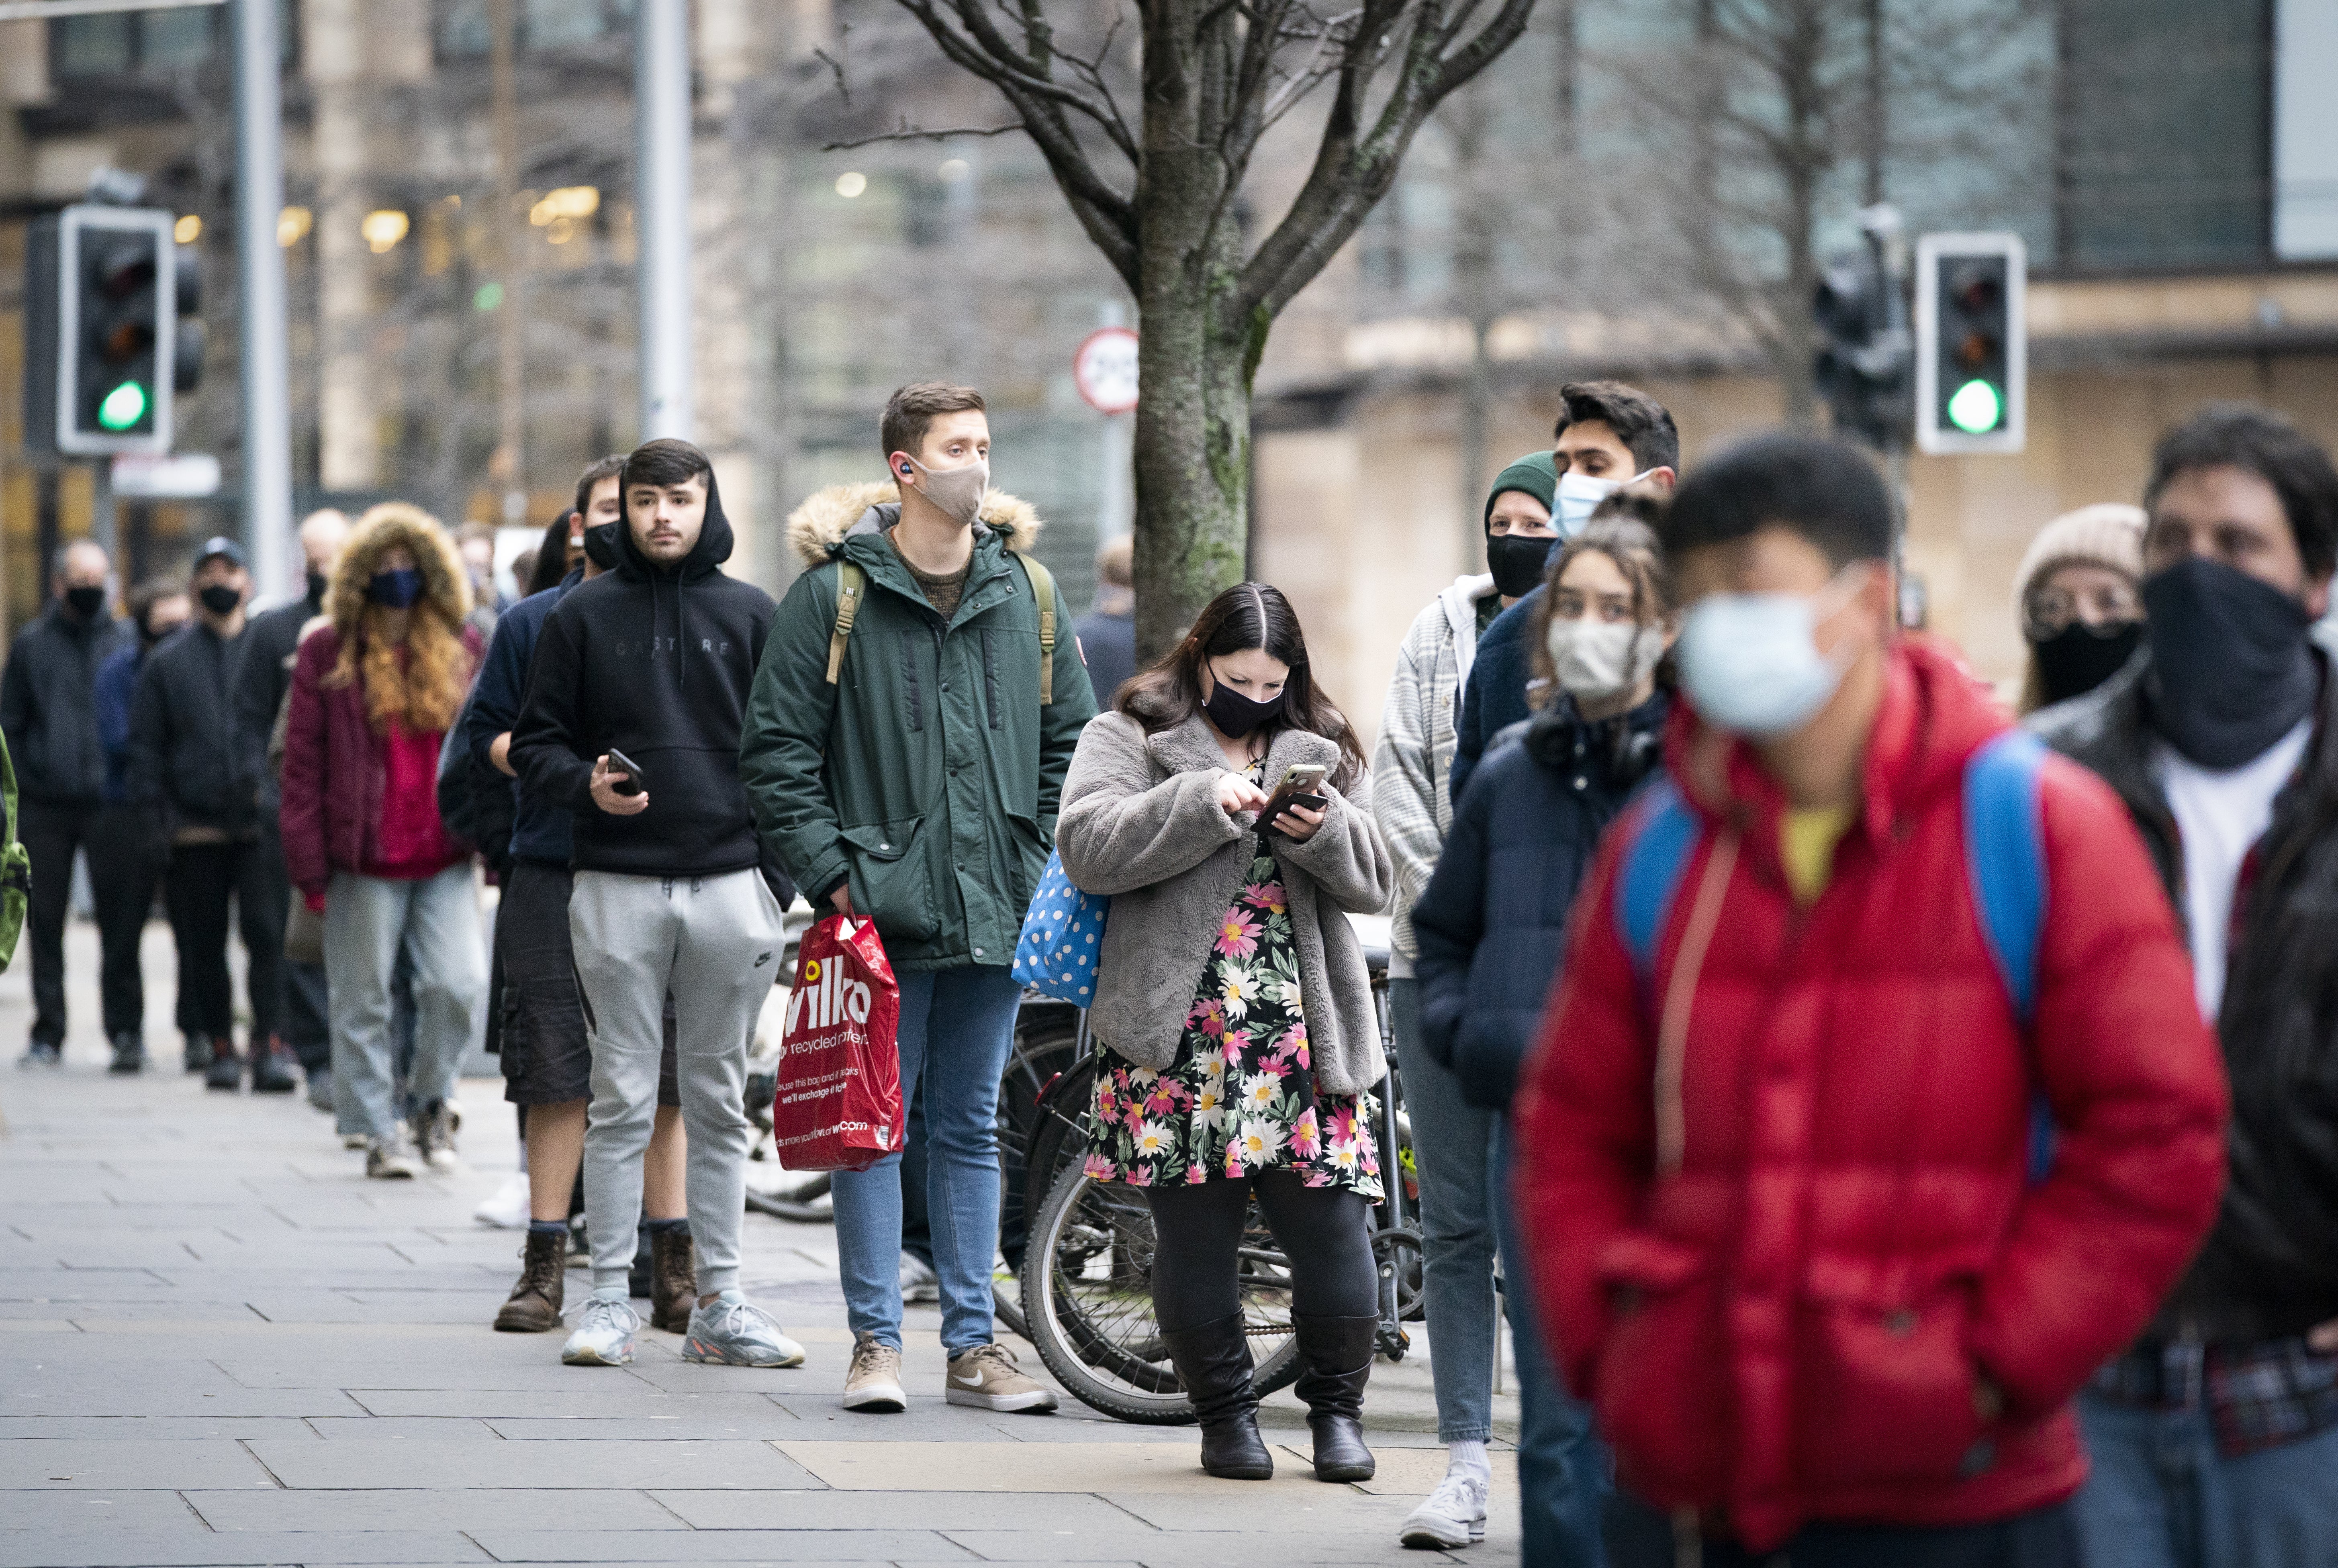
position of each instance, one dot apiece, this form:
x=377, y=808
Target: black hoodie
x=656, y=663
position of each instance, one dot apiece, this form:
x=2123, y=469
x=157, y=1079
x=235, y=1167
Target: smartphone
x=1297, y=788
x=631, y=784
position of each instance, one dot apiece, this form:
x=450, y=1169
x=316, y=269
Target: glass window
x=177, y=40
x=92, y=45
x=462, y=28
x=563, y=24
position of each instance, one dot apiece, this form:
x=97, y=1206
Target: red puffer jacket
x=1787, y=1325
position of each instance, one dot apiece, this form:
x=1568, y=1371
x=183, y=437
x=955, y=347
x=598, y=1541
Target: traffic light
x=1864, y=358
x=102, y=291
x=1971, y=343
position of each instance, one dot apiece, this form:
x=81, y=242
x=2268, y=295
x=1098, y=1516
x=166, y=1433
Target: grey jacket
x=1140, y=820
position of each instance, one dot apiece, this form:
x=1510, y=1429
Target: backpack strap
x=2005, y=856
x=851, y=581
x=1043, y=590
x=1663, y=831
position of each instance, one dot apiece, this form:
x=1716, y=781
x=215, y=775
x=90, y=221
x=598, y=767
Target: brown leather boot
x=534, y=1304
x=673, y=1280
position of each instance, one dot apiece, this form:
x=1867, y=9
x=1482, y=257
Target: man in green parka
x=917, y=703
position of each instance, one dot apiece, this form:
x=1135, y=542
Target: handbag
x=16, y=866
x=1062, y=938
x=839, y=1104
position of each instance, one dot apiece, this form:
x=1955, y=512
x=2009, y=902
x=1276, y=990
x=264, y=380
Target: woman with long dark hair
x=1240, y=1042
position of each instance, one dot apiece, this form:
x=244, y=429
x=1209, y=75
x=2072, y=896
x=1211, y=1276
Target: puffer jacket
x=1781, y=1307
x=48, y=704
x=1491, y=924
x=2270, y=1270
x=186, y=769
x=928, y=776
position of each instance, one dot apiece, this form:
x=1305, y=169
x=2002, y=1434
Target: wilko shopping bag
x=1057, y=953
x=839, y=1106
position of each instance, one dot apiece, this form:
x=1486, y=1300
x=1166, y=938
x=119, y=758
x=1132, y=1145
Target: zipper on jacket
x=990, y=677
x=909, y=681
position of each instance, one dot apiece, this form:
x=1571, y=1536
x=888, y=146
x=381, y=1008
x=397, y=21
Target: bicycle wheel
x=1088, y=1297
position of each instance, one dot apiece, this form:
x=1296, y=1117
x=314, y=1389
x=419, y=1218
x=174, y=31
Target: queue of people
x=1894, y=1131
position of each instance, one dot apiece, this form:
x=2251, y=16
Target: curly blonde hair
x=418, y=681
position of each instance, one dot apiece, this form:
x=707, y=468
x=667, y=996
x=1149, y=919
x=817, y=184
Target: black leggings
x=1197, y=1238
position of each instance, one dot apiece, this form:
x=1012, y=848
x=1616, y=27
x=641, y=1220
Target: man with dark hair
x=264, y=677
x=193, y=787
x=545, y=1045
x=121, y=870
x=1609, y=436
x=671, y=893
x=48, y=711
x=1872, y=1112
x=905, y=757
x=2215, y=1436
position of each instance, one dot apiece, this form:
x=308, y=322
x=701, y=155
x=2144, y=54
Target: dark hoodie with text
x=656, y=663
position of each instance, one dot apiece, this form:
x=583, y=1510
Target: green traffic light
x=123, y=406
x=1975, y=408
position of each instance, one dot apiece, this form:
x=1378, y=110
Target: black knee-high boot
x=1337, y=1356
x=1213, y=1362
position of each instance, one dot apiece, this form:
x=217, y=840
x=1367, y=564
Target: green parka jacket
x=929, y=774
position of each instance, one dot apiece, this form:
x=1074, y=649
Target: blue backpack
x=2005, y=858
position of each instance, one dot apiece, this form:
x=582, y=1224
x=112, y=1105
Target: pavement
x=224, y=1346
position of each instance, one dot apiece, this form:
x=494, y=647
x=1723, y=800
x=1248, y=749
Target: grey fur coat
x=1141, y=822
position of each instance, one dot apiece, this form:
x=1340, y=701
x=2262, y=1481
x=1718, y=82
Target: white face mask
x=1599, y=661
x=1579, y=495
x=957, y=491
x=1751, y=664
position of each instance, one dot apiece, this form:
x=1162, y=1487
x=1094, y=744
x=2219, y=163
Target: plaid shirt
x=2257, y=1396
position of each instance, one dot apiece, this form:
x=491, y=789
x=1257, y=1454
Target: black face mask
x=220, y=599
x=2231, y=670
x=1516, y=562
x=1236, y=715
x=85, y=602
x=600, y=545
x=316, y=585
x=2079, y=658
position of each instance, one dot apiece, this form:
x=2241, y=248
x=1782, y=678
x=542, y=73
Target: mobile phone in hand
x=1297, y=788
x=632, y=783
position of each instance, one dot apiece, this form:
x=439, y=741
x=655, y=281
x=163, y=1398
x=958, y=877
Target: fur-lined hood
x=446, y=587
x=816, y=530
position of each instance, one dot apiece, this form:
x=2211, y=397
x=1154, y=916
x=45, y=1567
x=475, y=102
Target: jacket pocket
x=1029, y=846
x=1883, y=1386
x=891, y=883
x=1661, y=1383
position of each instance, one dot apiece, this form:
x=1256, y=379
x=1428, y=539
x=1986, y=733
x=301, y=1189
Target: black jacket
x=269, y=641
x=48, y=705
x=187, y=768
x=1492, y=923
x=2270, y=1268
x=658, y=664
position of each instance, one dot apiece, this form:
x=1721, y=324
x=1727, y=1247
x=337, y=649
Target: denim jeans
x=957, y=1028
x=370, y=922
x=1453, y=1140
x=1640, y=1536
x=1564, y=1476
x=2160, y=1496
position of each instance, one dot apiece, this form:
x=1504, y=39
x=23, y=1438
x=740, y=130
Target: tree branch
x=908, y=133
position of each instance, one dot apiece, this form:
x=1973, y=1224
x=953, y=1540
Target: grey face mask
x=957, y=491
x=1597, y=661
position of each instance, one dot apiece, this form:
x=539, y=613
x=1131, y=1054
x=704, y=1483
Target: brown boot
x=534, y=1304
x=673, y=1280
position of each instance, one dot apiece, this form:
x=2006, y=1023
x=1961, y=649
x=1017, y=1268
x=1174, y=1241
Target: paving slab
x=454, y=1509
x=195, y=1548
x=858, y=1544
x=951, y=1511
x=128, y=1463
x=357, y=1462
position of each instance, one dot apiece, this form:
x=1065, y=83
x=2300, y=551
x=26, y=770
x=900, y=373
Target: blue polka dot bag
x=1062, y=935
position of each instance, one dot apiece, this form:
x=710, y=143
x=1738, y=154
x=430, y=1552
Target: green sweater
x=928, y=776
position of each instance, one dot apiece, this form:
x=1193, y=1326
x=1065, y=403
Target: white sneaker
x=919, y=1280
x=873, y=1381
x=733, y=1332
x=391, y=1158
x=509, y=1208
x=1454, y=1516
x=603, y=1336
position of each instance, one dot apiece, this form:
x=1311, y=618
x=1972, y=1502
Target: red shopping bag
x=839, y=1106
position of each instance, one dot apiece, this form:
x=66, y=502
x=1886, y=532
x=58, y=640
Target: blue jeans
x=957, y=1028
x=1565, y=1474
x=1640, y=1536
x=1453, y=1140
x=2161, y=1497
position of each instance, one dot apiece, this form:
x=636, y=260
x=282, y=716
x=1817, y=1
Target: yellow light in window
x=570, y=201
x=560, y=230
x=850, y=185
x=187, y=230
x=383, y=228
x=292, y=225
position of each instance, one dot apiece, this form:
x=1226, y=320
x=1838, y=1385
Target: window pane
x=176, y=39
x=463, y=28
x=92, y=45
x=563, y=24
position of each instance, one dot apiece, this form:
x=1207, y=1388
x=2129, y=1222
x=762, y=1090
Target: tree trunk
x=1192, y=459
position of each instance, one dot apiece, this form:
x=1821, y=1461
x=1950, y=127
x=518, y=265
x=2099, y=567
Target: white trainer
x=603, y=1336
x=1454, y=1514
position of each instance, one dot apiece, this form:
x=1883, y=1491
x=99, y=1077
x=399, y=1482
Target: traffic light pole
x=661, y=214
x=266, y=368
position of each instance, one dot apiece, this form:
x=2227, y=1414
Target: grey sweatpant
x=714, y=943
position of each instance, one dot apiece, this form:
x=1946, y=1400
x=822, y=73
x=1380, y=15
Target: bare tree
x=1160, y=187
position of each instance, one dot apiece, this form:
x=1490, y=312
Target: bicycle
x=1086, y=1272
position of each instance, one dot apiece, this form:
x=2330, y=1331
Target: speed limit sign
x=1105, y=369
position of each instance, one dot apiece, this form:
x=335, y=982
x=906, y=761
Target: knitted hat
x=1534, y=474
x=2109, y=533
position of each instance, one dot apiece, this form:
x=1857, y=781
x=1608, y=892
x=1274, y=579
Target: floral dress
x=1239, y=1096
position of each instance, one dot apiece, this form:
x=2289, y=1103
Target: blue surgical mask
x=397, y=589
x=1579, y=495
x=1749, y=664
